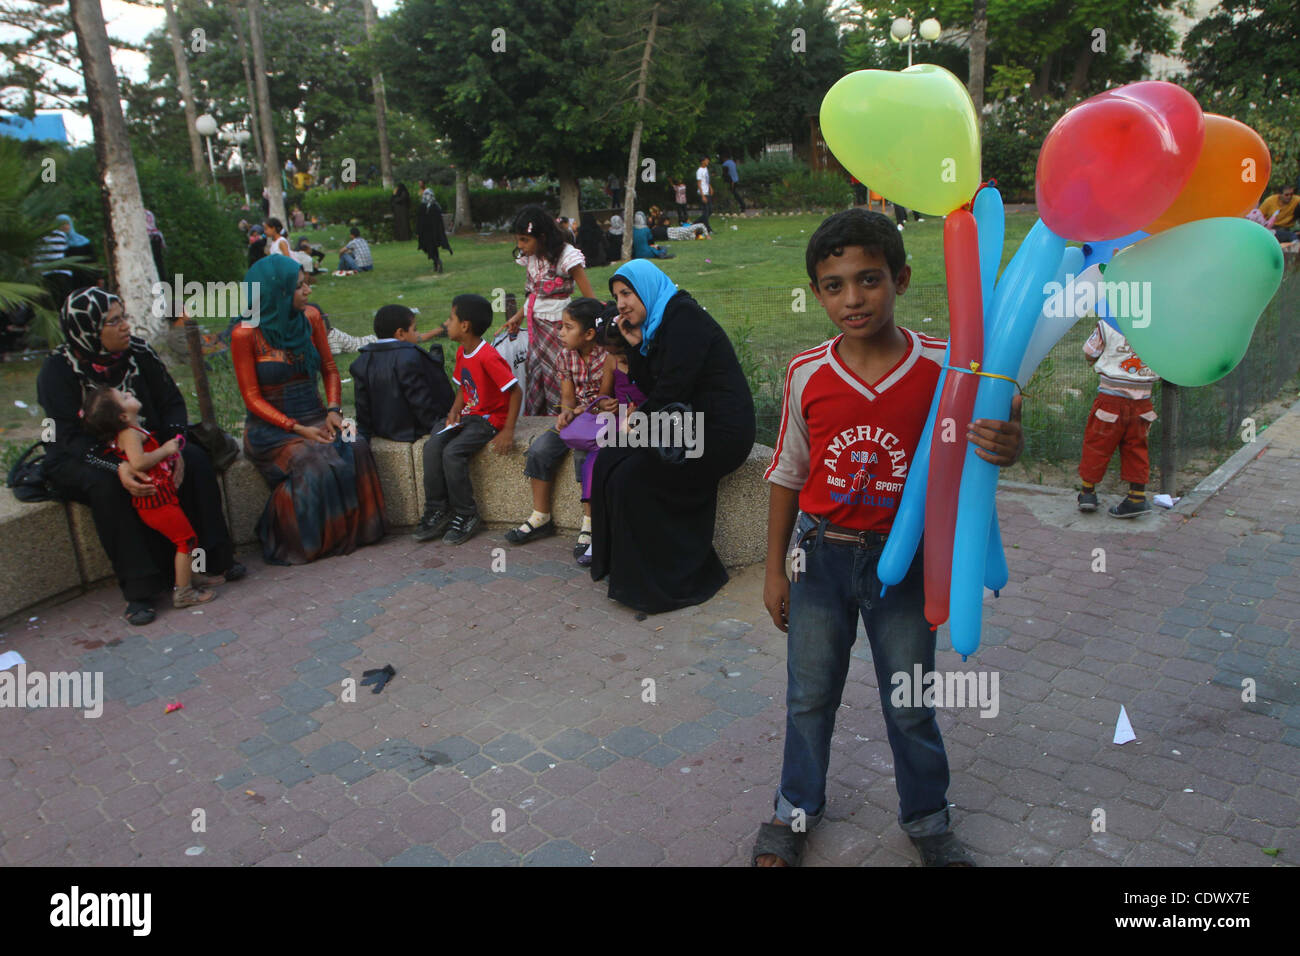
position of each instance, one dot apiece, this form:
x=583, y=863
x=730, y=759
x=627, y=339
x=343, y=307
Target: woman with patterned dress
x=325, y=492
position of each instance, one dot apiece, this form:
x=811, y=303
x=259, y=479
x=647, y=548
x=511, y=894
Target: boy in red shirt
x=854, y=409
x=486, y=408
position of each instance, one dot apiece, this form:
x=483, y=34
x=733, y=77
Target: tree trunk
x=634, y=151
x=187, y=91
x=131, y=270
x=271, y=164
x=979, y=43
x=381, y=107
x=1079, y=77
x=461, y=221
x=570, y=191
x=253, y=111
x=1039, y=87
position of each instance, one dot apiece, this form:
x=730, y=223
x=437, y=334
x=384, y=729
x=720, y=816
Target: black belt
x=834, y=532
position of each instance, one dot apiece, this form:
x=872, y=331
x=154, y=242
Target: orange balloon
x=1229, y=177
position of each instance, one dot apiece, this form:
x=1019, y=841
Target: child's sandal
x=191, y=596
x=583, y=545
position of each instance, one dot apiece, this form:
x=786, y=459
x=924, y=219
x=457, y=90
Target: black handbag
x=27, y=477
x=675, y=454
x=221, y=446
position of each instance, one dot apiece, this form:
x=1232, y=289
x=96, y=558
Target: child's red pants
x=1117, y=422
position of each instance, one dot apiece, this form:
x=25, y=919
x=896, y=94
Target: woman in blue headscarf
x=653, y=508
x=325, y=492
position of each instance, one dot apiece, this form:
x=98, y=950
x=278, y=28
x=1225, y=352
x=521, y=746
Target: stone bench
x=51, y=548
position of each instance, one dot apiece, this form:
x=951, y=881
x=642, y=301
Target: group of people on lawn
x=119, y=446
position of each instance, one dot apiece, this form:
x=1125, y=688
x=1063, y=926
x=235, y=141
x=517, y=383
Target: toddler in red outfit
x=110, y=415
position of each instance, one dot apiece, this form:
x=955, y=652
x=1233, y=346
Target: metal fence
x=767, y=330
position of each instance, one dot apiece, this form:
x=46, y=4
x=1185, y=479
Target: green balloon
x=1187, y=299
x=911, y=136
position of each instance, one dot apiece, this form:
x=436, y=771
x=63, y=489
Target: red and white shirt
x=845, y=444
x=484, y=378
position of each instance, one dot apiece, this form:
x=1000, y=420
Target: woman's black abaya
x=653, y=522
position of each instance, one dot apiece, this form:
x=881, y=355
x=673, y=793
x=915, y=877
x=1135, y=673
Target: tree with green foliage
x=1244, y=62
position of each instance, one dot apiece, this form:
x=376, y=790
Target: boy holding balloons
x=854, y=410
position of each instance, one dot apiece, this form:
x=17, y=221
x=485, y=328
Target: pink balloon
x=1118, y=160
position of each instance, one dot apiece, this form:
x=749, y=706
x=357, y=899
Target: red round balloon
x=1118, y=160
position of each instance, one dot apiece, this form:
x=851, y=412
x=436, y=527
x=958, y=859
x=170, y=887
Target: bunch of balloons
x=1153, y=188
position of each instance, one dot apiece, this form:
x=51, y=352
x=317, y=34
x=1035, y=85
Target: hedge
x=370, y=207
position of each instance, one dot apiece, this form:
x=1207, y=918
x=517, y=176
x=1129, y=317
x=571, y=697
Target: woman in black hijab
x=99, y=350
x=430, y=229
x=591, y=241
x=401, y=203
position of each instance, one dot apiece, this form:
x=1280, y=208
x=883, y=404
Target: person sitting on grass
x=485, y=410
x=355, y=254
x=112, y=416
x=849, y=403
x=401, y=390
x=642, y=247
x=582, y=365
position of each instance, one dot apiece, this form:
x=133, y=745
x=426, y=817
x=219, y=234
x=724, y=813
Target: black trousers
x=143, y=559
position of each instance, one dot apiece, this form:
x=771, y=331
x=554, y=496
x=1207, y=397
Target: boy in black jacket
x=402, y=391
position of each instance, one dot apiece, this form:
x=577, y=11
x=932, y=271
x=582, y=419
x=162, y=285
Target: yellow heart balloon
x=912, y=136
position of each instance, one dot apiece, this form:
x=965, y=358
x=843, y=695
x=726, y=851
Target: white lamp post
x=901, y=30
x=206, y=126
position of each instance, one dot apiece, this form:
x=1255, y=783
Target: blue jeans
x=348, y=264
x=837, y=584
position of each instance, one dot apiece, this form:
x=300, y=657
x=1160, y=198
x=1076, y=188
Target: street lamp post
x=206, y=126
x=901, y=30
x=238, y=137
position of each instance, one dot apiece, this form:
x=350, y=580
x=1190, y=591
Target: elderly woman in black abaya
x=401, y=202
x=653, y=509
x=430, y=230
x=99, y=350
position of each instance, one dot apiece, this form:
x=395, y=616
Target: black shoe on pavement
x=140, y=613
x=1130, y=509
x=520, y=536
x=463, y=527
x=1088, y=501
x=432, y=526
x=236, y=571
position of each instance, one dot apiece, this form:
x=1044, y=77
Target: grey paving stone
x=419, y=856
x=731, y=628
x=338, y=653
x=716, y=719
x=457, y=748
x=352, y=772
x=303, y=698
x=598, y=759
x=277, y=712
x=291, y=728
x=558, y=853
x=475, y=765
x=487, y=854
x=272, y=760
x=630, y=741
x=508, y=748
x=660, y=755
x=294, y=773
x=235, y=778
x=536, y=763
x=690, y=737
x=331, y=757
x=255, y=745
x=571, y=744
x=743, y=703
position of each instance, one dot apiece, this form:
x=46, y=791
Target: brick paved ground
x=519, y=699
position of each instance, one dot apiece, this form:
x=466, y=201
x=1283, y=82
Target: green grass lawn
x=748, y=277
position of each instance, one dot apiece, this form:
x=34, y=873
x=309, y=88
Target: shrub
x=203, y=241
x=370, y=207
